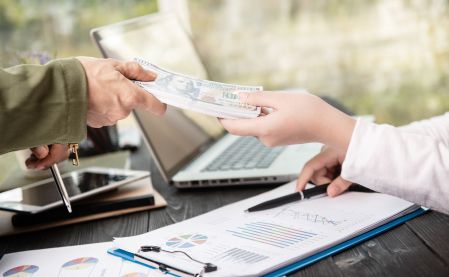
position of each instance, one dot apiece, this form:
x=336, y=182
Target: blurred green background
x=389, y=58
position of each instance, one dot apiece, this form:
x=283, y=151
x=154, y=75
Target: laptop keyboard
x=245, y=153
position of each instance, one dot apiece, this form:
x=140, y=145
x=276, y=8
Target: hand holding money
x=296, y=118
x=202, y=96
x=111, y=95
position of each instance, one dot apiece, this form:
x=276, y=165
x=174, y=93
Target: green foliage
x=62, y=25
x=401, y=108
x=14, y=57
x=382, y=57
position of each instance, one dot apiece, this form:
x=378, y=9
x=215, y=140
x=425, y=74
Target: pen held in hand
x=300, y=195
x=60, y=186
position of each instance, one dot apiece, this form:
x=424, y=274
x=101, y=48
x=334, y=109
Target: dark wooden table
x=420, y=247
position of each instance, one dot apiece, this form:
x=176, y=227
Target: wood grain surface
x=419, y=247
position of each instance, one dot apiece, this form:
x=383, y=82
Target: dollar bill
x=198, y=95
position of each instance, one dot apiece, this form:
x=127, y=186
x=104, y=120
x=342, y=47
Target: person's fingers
x=147, y=102
x=40, y=151
x=311, y=169
x=306, y=174
x=58, y=153
x=321, y=176
x=31, y=162
x=259, y=98
x=244, y=127
x=338, y=186
x=134, y=71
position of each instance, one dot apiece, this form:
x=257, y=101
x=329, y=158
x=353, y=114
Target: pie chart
x=186, y=241
x=80, y=263
x=21, y=271
x=135, y=274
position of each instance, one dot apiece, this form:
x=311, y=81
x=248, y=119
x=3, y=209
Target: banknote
x=203, y=96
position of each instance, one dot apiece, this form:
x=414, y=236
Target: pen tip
x=246, y=211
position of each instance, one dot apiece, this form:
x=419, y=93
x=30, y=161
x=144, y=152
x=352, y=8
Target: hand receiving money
x=202, y=96
x=296, y=118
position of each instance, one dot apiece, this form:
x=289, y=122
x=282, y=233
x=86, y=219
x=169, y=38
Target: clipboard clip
x=164, y=268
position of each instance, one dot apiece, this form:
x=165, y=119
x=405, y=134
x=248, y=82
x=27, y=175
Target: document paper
x=90, y=260
x=254, y=244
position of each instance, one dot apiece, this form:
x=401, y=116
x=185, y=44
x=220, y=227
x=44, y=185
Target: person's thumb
x=338, y=186
x=134, y=71
x=259, y=98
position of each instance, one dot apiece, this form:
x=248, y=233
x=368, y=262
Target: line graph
x=314, y=218
x=324, y=218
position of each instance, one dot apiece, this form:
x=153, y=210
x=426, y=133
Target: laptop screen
x=180, y=135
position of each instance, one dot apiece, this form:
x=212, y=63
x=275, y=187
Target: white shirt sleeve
x=410, y=162
x=436, y=127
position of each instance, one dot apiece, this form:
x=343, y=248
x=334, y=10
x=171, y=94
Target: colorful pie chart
x=186, y=241
x=21, y=271
x=80, y=263
x=135, y=274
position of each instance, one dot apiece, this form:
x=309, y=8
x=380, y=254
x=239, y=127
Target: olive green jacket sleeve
x=42, y=104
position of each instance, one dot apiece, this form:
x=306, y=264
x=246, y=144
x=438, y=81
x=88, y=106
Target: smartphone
x=80, y=184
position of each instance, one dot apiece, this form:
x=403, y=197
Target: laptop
x=191, y=149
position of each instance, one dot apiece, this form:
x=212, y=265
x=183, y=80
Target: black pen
x=300, y=195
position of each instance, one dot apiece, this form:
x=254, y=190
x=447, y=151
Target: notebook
x=255, y=244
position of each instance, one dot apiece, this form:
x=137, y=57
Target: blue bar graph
x=271, y=234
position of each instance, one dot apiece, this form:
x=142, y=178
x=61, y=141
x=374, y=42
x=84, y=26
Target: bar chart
x=240, y=256
x=271, y=234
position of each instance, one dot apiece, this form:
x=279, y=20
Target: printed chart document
x=90, y=260
x=254, y=244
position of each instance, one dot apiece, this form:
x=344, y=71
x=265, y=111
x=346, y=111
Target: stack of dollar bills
x=202, y=96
